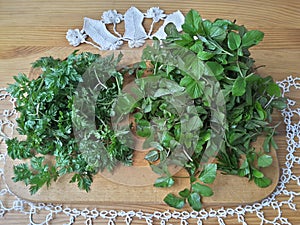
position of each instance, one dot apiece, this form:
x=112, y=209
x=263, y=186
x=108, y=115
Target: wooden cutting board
x=116, y=189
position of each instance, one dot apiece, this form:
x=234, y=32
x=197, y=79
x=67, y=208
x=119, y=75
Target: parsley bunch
x=46, y=118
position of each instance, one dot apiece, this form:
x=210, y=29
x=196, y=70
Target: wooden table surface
x=31, y=29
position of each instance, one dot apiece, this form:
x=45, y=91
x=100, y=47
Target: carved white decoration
x=135, y=33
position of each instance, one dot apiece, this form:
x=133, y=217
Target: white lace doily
x=286, y=196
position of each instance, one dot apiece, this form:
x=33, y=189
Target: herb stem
x=187, y=155
x=218, y=46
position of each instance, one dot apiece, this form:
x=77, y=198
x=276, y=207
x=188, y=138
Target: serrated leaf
x=192, y=23
x=265, y=161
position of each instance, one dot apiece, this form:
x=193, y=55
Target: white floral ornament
x=155, y=13
x=111, y=16
x=135, y=33
x=75, y=37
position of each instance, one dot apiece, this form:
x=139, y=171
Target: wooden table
x=31, y=29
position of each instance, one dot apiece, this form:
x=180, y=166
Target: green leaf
x=156, y=145
x=262, y=182
x=261, y=112
x=239, y=86
x=273, y=143
x=185, y=40
x=156, y=169
x=194, y=201
x=209, y=173
x=244, y=169
x=217, y=33
x=171, y=31
x=274, y=90
x=152, y=156
x=265, y=161
x=257, y=174
x=197, y=46
x=192, y=23
x=37, y=163
x=194, y=123
x=164, y=182
x=279, y=104
x=234, y=40
x=138, y=115
x=215, y=67
x=203, y=55
x=202, y=190
x=184, y=193
x=143, y=128
x=266, y=144
x=252, y=37
x=174, y=201
x=193, y=88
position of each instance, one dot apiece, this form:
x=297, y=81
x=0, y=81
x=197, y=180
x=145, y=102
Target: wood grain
x=31, y=29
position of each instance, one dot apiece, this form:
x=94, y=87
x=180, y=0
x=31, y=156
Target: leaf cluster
x=47, y=119
x=249, y=100
x=202, y=84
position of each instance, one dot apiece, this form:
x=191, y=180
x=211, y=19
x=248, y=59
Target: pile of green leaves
x=249, y=98
x=46, y=118
x=206, y=71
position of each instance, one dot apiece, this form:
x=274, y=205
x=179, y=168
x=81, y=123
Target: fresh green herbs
x=45, y=107
x=249, y=99
x=201, y=108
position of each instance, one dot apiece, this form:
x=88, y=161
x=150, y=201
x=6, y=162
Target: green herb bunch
x=249, y=99
x=46, y=118
x=206, y=71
